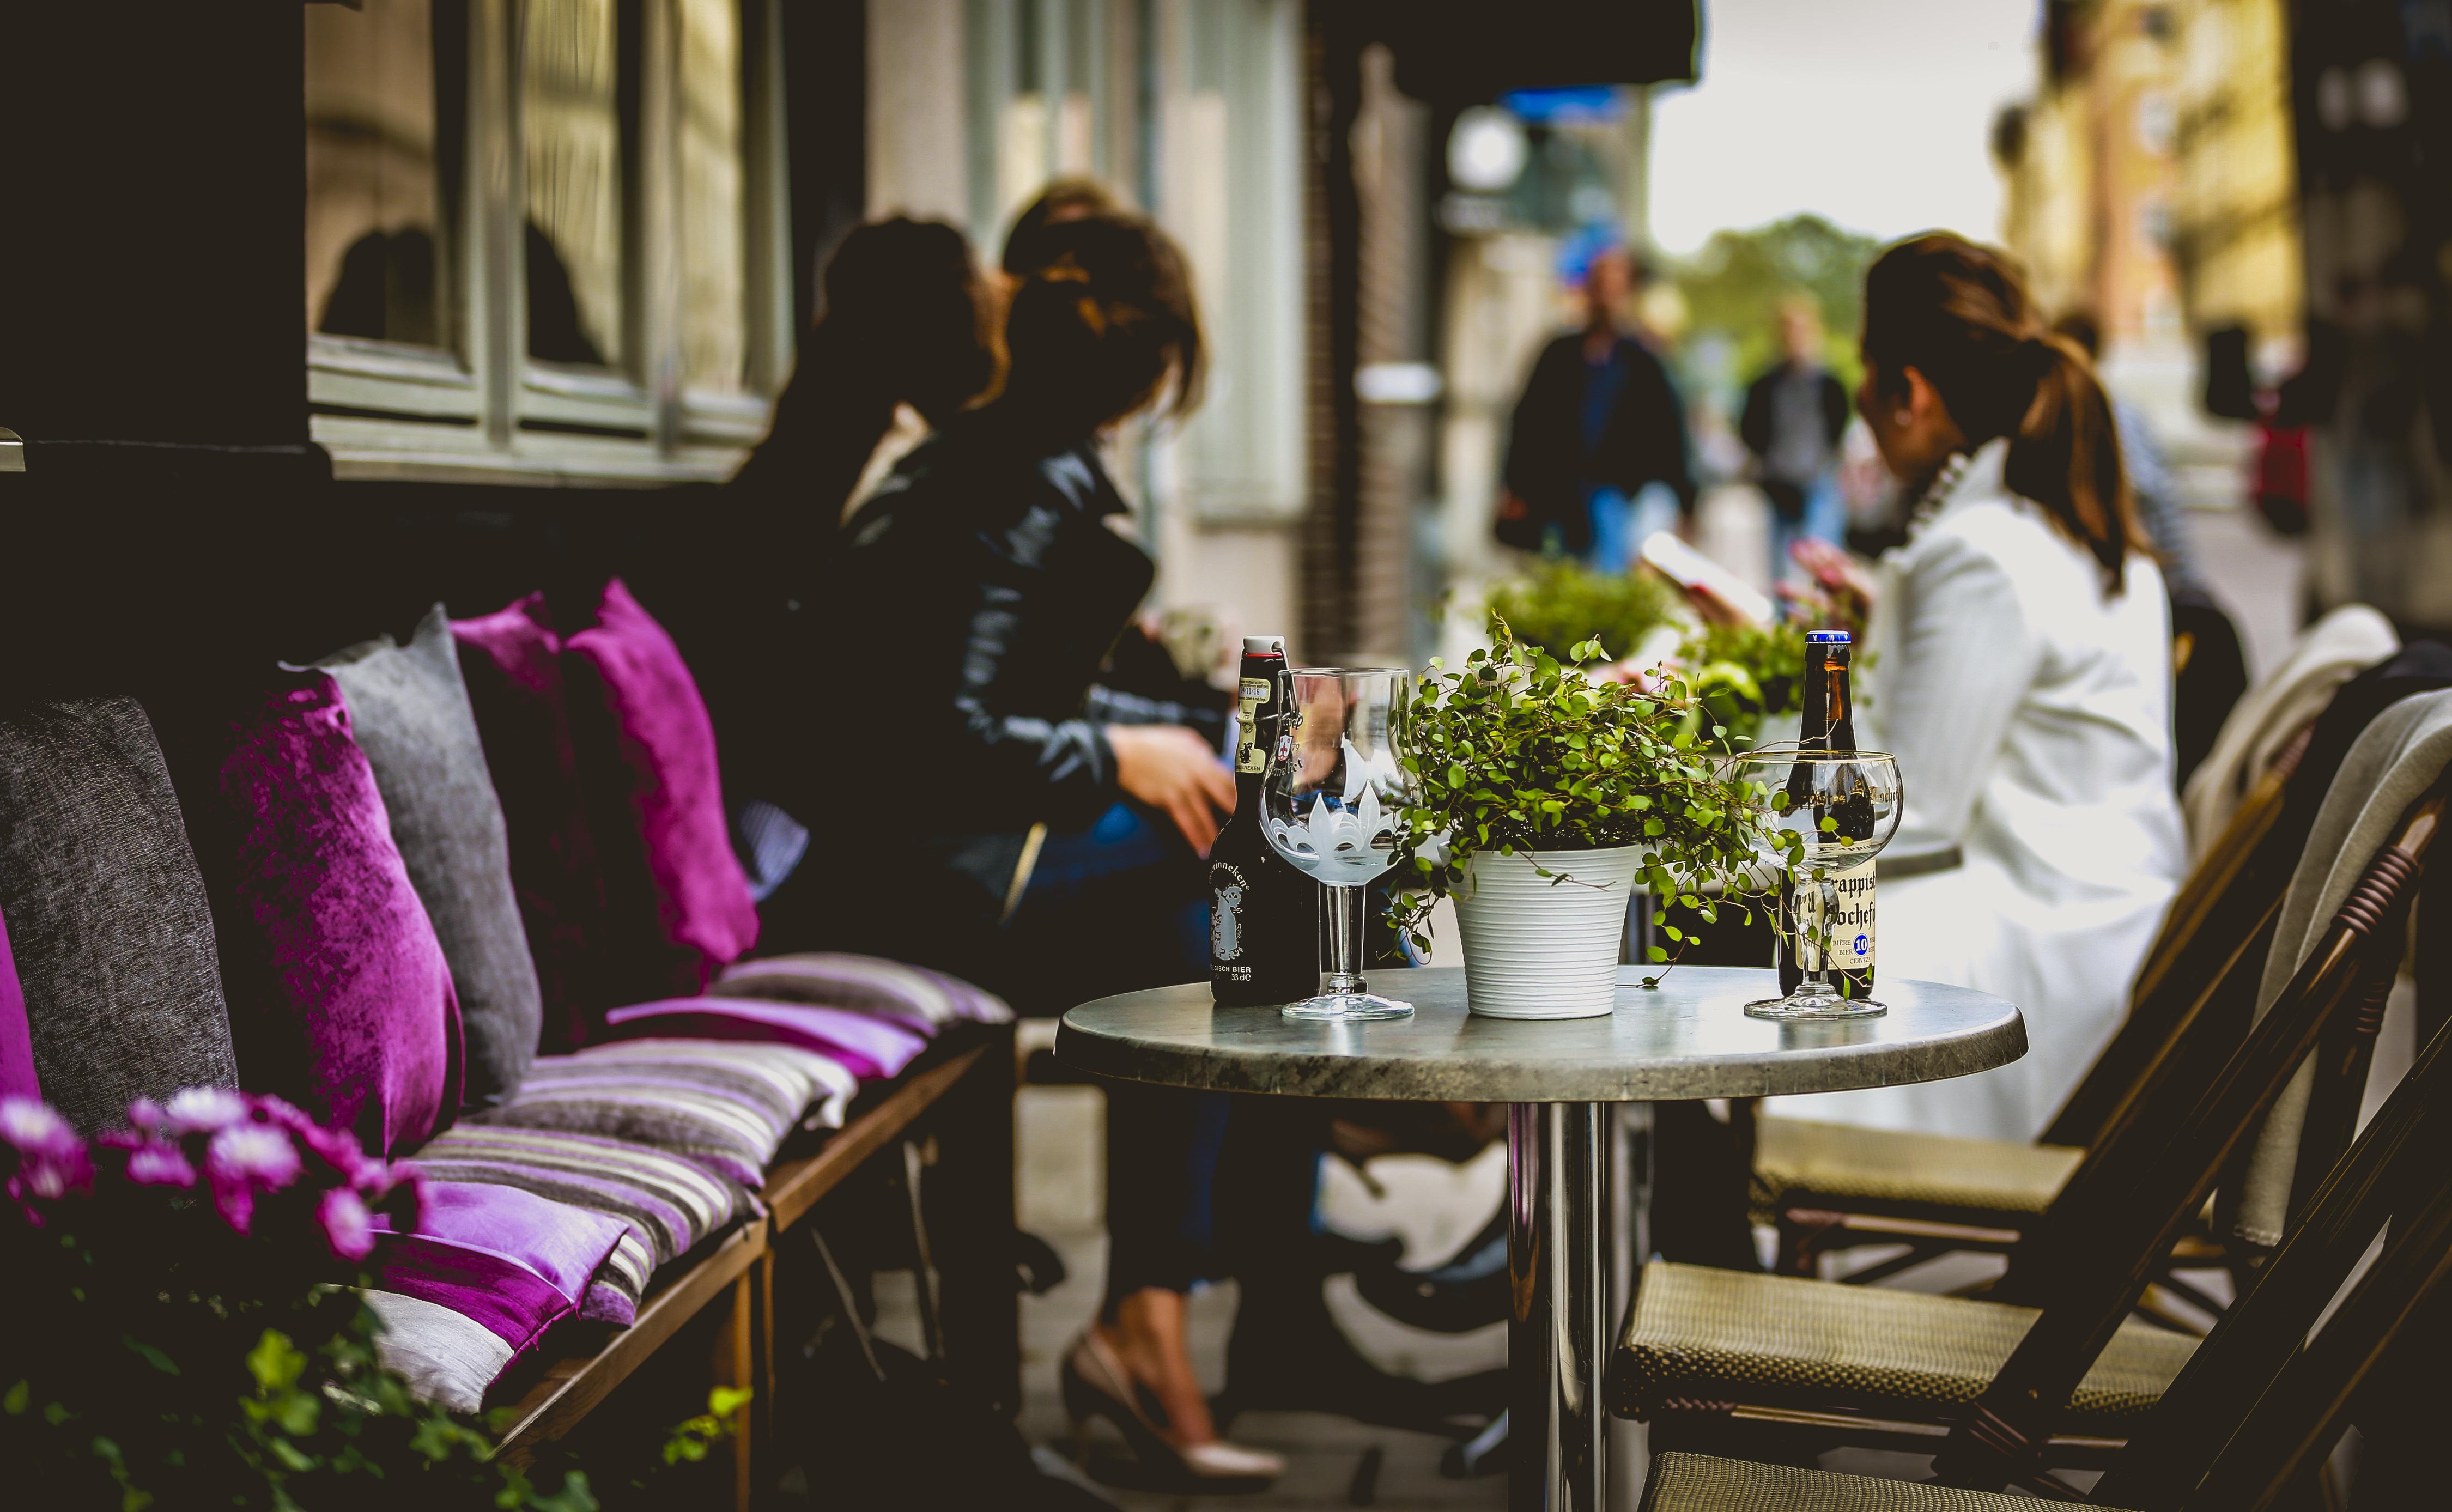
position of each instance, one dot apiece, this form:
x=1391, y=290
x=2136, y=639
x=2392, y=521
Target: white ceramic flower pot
x=1534, y=948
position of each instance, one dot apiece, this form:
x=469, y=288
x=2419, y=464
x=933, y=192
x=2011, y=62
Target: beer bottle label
x=1838, y=909
x=1250, y=755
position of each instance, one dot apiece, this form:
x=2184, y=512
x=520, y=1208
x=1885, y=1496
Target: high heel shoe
x=1097, y=1385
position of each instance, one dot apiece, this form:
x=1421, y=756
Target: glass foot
x=1816, y=1004
x=1347, y=1008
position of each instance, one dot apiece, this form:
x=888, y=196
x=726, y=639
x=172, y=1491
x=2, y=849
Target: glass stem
x=1345, y=940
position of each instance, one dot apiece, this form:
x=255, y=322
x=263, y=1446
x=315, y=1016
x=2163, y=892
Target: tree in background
x=1732, y=288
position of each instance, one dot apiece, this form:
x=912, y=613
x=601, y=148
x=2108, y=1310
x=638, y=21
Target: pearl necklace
x=1936, y=493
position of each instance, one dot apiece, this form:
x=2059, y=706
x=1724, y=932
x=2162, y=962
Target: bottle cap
x=1264, y=645
x=1829, y=637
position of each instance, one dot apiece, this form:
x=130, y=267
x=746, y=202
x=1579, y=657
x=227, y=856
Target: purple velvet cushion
x=872, y=1047
x=678, y=907
x=490, y=1271
x=341, y=998
x=511, y=662
x=17, y=1077
x=911, y=994
x=511, y=1260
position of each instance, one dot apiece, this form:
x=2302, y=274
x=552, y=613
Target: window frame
x=480, y=409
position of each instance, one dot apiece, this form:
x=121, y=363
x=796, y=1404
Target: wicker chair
x=1833, y=1186
x=1714, y=1358
x=2252, y=1414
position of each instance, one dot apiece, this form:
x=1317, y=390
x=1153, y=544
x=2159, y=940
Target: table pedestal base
x=1557, y=1328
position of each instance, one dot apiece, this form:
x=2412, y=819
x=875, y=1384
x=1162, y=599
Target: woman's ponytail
x=1960, y=314
x=2066, y=456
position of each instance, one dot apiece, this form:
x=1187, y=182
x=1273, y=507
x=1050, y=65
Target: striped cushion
x=670, y=1203
x=872, y=1046
x=724, y=1105
x=913, y=995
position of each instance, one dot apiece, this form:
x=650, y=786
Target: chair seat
x=1880, y=1165
x=1704, y=1336
x=1699, y=1482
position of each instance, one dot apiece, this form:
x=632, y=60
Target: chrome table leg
x=1558, y=1322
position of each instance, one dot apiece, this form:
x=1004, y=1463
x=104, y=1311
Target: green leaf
x=150, y=1356
x=1673, y=932
x=14, y=1402
x=726, y=1400
x=1657, y=954
x=275, y=1362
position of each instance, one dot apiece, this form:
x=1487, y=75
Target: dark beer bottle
x=1829, y=724
x=1263, y=914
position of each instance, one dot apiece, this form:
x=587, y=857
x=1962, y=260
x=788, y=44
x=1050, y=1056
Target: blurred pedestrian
x=1596, y=455
x=1795, y=413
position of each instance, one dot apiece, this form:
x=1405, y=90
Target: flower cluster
x=266, y=1168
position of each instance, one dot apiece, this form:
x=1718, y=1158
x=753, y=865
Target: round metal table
x=1688, y=1038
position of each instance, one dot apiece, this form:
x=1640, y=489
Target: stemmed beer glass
x=1843, y=806
x=1335, y=786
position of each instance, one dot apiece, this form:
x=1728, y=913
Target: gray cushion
x=409, y=712
x=106, y=912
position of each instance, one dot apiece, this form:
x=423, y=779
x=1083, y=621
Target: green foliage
x=1519, y=753
x=1741, y=676
x=1562, y=602
x=1735, y=284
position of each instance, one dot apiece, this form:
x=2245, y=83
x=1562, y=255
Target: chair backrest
x=2229, y=895
x=2096, y=1255
x=2249, y=1396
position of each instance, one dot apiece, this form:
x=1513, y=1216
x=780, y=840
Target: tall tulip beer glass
x=1841, y=807
x=1335, y=786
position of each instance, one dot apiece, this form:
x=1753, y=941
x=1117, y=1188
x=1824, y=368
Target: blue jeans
x=1621, y=525
x=1825, y=518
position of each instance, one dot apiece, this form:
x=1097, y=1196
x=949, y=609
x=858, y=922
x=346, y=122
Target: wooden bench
x=959, y=1095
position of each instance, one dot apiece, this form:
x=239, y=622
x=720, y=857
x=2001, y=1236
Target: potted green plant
x=1543, y=795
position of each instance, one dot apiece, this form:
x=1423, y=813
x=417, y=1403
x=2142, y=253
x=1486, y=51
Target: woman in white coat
x=2022, y=677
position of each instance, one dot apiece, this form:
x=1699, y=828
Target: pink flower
x=244, y=1160
x=50, y=1160
x=349, y=1228
x=203, y=1111
x=37, y=1130
x=154, y=1164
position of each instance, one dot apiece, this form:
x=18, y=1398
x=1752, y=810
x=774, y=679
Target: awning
x=1471, y=51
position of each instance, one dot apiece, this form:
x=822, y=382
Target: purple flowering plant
x=186, y=1327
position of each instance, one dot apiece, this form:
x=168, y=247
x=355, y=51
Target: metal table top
x=1688, y=1038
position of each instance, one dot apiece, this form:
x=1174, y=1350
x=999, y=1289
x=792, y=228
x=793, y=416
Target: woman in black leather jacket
x=979, y=803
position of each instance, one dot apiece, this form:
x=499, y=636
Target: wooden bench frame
x=962, y=1091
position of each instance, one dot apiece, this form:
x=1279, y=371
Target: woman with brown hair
x=977, y=809
x=2021, y=674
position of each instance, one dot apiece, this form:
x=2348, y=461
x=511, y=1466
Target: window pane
x=374, y=248
x=571, y=115
x=714, y=313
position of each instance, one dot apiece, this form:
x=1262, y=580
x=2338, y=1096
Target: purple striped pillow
x=670, y=1204
x=725, y=1105
x=911, y=994
x=871, y=1047
x=513, y=1262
